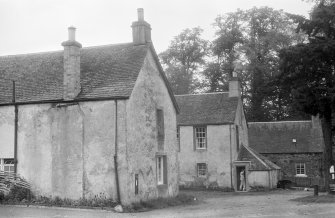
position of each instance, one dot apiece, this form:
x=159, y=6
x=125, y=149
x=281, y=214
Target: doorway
x=241, y=178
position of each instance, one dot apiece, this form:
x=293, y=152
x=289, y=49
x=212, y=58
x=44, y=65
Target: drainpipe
x=231, y=162
x=269, y=173
x=115, y=158
x=15, y=128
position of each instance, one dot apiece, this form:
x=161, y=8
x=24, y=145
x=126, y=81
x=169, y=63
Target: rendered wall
x=68, y=150
x=258, y=178
x=149, y=94
x=266, y=179
x=7, y=132
x=217, y=156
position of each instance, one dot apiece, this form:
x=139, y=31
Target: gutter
x=207, y=124
x=63, y=101
x=16, y=119
x=115, y=157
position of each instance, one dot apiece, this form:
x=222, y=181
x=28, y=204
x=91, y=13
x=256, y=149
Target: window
x=300, y=169
x=237, y=139
x=178, y=137
x=161, y=170
x=7, y=165
x=202, y=169
x=200, y=137
x=160, y=127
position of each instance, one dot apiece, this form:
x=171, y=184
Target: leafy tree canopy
x=308, y=70
x=183, y=59
x=252, y=38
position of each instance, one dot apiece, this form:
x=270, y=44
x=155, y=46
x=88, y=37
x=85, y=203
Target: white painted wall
x=217, y=156
x=7, y=132
x=149, y=94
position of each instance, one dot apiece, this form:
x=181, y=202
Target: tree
x=183, y=59
x=224, y=51
x=308, y=70
x=254, y=38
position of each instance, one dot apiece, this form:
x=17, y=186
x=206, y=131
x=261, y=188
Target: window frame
x=195, y=138
x=178, y=138
x=298, y=168
x=161, y=170
x=198, y=169
x=160, y=128
x=237, y=134
x=4, y=165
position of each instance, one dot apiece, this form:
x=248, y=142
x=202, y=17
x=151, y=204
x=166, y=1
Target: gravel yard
x=210, y=204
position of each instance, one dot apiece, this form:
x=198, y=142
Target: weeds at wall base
x=19, y=196
x=181, y=199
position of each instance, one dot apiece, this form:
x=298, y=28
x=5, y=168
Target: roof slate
x=106, y=71
x=258, y=161
x=276, y=137
x=208, y=108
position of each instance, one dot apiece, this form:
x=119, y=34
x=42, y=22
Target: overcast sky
x=28, y=26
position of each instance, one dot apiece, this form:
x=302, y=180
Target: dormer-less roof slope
x=108, y=71
x=208, y=108
x=276, y=137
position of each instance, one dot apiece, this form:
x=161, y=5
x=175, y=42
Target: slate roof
x=108, y=71
x=276, y=137
x=258, y=161
x=208, y=108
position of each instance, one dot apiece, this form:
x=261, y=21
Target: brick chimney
x=71, y=83
x=141, y=29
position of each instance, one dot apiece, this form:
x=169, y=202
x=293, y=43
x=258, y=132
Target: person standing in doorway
x=242, y=180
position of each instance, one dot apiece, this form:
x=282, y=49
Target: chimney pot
x=140, y=14
x=72, y=33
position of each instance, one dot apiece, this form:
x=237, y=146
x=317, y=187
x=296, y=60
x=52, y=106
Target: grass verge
x=181, y=199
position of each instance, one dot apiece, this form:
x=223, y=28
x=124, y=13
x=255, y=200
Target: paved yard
x=212, y=204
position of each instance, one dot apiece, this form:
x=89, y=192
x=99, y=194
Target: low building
x=213, y=138
x=295, y=146
x=91, y=121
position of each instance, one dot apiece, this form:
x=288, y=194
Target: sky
x=29, y=26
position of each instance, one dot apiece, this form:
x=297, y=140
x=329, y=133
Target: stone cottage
x=86, y=121
x=295, y=146
x=213, y=143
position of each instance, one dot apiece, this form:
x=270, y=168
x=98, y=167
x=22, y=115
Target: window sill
x=201, y=149
x=162, y=186
x=301, y=175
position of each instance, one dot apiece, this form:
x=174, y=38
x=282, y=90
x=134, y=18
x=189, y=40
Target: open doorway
x=241, y=178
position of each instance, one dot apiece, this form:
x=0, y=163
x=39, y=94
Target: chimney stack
x=71, y=83
x=141, y=29
x=235, y=83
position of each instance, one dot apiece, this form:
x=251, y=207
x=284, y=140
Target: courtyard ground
x=210, y=204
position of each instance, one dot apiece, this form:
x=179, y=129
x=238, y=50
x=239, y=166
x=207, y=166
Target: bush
x=18, y=194
x=13, y=188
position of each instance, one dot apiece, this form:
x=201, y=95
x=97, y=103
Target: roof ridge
x=55, y=51
x=116, y=44
x=206, y=93
x=32, y=53
x=288, y=121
